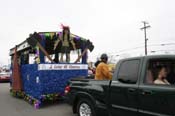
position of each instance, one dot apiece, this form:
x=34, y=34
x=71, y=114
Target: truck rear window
x=128, y=71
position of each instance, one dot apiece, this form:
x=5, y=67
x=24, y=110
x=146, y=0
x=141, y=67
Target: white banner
x=62, y=66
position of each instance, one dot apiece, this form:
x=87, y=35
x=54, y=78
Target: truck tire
x=85, y=108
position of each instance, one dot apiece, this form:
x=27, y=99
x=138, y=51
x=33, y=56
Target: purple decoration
x=42, y=36
x=30, y=101
x=62, y=94
x=59, y=33
x=39, y=103
x=37, y=52
x=36, y=105
x=42, y=97
x=77, y=38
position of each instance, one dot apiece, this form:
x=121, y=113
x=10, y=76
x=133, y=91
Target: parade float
x=45, y=78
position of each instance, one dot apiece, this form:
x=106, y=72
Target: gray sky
x=112, y=25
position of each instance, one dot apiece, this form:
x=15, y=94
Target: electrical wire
x=131, y=49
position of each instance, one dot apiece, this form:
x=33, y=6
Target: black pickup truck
x=131, y=92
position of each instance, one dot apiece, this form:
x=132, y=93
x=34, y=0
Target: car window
x=128, y=71
x=160, y=72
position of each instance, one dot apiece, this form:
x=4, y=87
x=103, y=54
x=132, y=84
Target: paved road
x=11, y=106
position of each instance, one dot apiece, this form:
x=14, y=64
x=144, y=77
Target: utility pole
x=144, y=28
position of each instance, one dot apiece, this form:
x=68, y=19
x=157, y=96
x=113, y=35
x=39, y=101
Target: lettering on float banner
x=62, y=67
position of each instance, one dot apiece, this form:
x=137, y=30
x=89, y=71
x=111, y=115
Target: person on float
x=102, y=70
x=66, y=41
x=57, y=48
x=36, y=60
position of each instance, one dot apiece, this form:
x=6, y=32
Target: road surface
x=11, y=106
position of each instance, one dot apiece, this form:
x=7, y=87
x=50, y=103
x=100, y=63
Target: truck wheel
x=85, y=108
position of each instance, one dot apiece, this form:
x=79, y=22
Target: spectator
x=102, y=70
x=90, y=71
x=161, y=76
x=97, y=63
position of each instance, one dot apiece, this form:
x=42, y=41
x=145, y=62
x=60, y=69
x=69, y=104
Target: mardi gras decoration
x=33, y=40
x=45, y=80
x=36, y=102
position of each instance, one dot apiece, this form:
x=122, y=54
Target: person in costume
x=36, y=60
x=57, y=48
x=66, y=42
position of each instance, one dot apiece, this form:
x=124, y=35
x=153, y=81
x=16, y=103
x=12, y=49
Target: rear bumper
x=4, y=79
x=69, y=98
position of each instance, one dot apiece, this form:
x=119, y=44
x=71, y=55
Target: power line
x=163, y=44
x=134, y=48
x=155, y=51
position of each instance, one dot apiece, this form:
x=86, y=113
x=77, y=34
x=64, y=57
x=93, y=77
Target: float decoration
x=36, y=102
x=44, y=81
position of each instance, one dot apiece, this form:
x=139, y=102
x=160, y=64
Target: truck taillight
x=67, y=89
